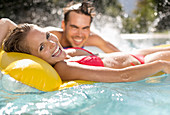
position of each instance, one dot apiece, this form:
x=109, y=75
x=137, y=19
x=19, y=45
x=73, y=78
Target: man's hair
x=15, y=42
x=81, y=8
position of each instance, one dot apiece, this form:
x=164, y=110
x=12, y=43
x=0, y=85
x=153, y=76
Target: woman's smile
x=57, y=52
x=45, y=45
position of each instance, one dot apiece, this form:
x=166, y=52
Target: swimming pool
x=149, y=96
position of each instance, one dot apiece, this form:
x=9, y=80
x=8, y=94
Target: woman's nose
x=51, y=43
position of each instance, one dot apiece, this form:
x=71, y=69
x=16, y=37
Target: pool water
x=149, y=96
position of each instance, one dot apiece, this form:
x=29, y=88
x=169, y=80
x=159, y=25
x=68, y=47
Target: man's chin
x=80, y=46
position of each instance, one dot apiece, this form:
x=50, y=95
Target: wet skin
x=77, y=30
x=45, y=45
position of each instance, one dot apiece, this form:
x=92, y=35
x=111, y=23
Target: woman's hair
x=15, y=42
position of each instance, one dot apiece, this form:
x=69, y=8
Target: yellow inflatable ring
x=30, y=70
x=34, y=72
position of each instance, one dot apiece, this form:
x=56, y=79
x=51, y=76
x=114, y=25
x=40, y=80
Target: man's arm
x=6, y=25
x=96, y=40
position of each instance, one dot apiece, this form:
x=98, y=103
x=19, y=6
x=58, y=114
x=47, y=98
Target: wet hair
x=85, y=8
x=15, y=42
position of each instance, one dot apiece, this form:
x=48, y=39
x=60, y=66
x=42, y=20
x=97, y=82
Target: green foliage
x=108, y=7
x=144, y=17
x=163, y=9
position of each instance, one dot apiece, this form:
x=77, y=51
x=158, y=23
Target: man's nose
x=80, y=33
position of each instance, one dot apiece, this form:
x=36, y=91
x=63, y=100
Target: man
x=76, y=29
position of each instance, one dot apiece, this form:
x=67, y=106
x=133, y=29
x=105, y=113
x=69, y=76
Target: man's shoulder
x=94, y=39
x=94, y=36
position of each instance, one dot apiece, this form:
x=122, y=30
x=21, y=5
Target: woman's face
x=45, y=45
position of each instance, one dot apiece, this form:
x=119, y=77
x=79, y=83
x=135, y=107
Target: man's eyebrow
x=86, y=27
x=78, y=27
x=74, y=26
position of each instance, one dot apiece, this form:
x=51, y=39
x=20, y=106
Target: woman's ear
x=63, y=25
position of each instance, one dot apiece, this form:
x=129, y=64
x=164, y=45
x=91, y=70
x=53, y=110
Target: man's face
x=77, y=29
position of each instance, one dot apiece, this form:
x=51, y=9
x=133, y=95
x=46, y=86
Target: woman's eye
x=47, y=35
x=41, y=47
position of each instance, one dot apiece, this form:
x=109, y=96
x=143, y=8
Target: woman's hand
x=6, y=25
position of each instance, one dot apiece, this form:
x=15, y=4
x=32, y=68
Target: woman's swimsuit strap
x=92, y=60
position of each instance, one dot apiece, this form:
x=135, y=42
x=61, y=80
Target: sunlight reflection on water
x=98, y=98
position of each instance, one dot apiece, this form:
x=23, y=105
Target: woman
x=37, y=41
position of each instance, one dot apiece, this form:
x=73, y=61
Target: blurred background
x=130, y=20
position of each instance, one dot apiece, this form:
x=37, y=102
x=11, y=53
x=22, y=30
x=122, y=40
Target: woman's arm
x=73, y=71
x=6, y=25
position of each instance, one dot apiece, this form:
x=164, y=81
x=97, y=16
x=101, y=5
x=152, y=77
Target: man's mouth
x=57, y=52
x=78, y=41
